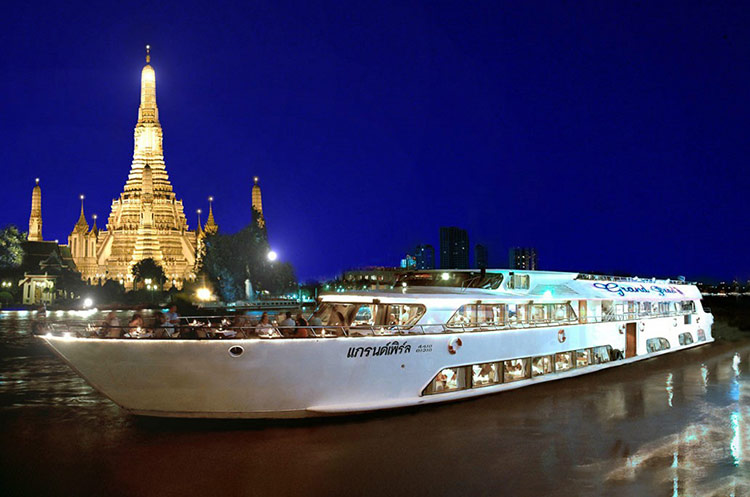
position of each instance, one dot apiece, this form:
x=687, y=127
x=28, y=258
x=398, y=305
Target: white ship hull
x=292, y=378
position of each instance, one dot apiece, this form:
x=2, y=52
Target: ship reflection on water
x=675, y=425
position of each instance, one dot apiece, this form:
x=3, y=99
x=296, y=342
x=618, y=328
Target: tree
x=11, y=247
x=148, y=269
x=231, y=259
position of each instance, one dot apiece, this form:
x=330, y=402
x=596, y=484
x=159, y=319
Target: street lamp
x=272, y=256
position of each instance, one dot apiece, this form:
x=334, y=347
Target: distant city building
x=425, y=257
x=35, y=219
x=454, y=248
x=480, y=256
x=522, y=258
x=408, y=262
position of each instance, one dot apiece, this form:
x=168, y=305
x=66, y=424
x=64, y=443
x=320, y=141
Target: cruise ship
x=437, y=336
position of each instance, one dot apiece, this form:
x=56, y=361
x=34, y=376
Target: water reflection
x=676, y=425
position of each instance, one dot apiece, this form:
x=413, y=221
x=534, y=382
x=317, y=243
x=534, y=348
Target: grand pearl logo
x=621, y=290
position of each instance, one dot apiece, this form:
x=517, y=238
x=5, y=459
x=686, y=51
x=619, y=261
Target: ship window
x=685, y=338
x=582, y=358
x=601, y=354
x=563, y=361
x=632, y=309
x=657, y=344
x=619, y=311
x=701, y=336
x=608, y=310
x=646, y=309
x=687, y=306
x=665, y=308
x=404, y=315
x=688, y=318
x=448, y=380
x=515, y=369
x=484, y=374
x=518, y=282
x=518, y=314
x=478, y=315
x=363, y=316
x=540, y=313
x=541, y=365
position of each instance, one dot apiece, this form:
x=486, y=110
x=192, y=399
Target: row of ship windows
x=493, y=373
x=533, y=314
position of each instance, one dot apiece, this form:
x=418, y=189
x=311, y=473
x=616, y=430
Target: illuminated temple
x=147, y=220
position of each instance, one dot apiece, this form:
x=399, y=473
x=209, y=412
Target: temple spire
x=211, y=226
x=94, y=228
x=82, y=226
x=148, y=112
x=257, y=203
x=198, y=228
x=35, y=219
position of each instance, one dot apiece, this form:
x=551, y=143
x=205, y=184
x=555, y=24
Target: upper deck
x=515, y=285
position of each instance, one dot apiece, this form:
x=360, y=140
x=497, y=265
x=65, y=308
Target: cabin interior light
x=445, y=276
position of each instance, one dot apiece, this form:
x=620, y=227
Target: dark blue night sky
x=612, y=136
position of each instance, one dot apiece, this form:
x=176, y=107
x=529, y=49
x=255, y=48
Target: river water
x=673, y=426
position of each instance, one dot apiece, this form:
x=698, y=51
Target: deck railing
x=221, y=327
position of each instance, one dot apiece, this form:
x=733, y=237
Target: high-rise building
x=35, y=219
x=522, y=258
x=425, y=257
x=408, y=262
x=454, y=248
x=480, y=256
x=147, y=220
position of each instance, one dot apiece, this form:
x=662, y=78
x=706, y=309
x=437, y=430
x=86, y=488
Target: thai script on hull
x=621, y=290
x=388, y=349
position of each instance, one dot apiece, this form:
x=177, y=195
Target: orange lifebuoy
x=561, y=336
x=454, y=345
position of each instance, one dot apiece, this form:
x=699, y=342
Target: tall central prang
x=147, y=220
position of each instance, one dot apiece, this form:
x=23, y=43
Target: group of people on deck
x=168, y=325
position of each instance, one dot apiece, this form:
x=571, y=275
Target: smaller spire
x=148, y=54
x=255, y=178
x=82, y=225
x=37, y=180
x=211, y=226
x=198, y=229
x=94, y=229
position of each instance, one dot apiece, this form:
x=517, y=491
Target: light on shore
x=203, y=294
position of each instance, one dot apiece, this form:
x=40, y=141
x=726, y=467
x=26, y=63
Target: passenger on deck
x=316, y=323
x=136, y=321
x=264, y=327
x=172, y=317
x=163, y=328
x=240, y=325
x=301, y=331
x=111, y=326
x=287, y=324
x=338, y=323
